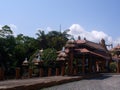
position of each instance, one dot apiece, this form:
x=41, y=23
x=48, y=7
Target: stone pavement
x=106, y=82
x=41, y=82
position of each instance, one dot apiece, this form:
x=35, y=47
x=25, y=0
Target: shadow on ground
x=101, y=77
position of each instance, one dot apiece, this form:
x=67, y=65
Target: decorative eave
x=86, y=51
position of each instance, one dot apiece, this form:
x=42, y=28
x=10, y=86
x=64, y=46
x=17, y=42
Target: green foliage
x=113, y=66
x=52, y=39
x=14, y=50
x=49, y=56
x=5, y=31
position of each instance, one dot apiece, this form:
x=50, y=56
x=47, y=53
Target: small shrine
x=61, y=60
x=38, y=62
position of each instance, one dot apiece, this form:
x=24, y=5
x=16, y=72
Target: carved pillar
x=77, y=67
x=49, y=71
x=1, y=74
x=90, y=63
x=17, y=73
x=97, y=66
x=83, y=64
x=75, y=71
x=119, y=66
x=30, y=71
x=70, y=64
x=57, y=71
x=63, y=70
x=118, y=69
x=41, y=72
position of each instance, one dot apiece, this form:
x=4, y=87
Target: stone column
x=17, y=73
x=63, y=70
x=75, y=71
x=41, y=72
x=57, y=71
x=90, y=64
x=49, y=71
x=70, y=64
x=83, y=64
x=1, y=74
x=119, y=66
x=30, y=71
x=97, y=66
x=118, y=69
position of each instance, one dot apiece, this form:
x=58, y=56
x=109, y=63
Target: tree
x=49, y=57
x=5, y=31
x=7, y=43
x=53, y=39
x=57, y=39
x=7, y=54
x=42, y=39
x=25, y=47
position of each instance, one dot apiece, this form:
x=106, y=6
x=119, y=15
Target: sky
x=93, y=19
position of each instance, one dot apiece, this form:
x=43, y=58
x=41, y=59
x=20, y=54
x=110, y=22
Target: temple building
x=84, y=56
x=115, y=52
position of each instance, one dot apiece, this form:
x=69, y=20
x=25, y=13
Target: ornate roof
x=86, y=51
x=85, y=46
x=90, y=44
x=117, y=48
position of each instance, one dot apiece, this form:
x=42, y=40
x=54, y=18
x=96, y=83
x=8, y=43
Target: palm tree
x=58, y=39
x=42, y=39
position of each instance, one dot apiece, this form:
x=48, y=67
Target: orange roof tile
x=91, y=44
x=84, y=50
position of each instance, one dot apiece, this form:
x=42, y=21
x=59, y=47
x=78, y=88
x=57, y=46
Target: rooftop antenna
x=60, y=28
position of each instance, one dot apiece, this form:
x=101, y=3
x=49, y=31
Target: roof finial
x=63, y=49
x=84, y=38
x=79, y=38
x=102, y=41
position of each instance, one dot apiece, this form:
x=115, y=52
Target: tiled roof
x=84, y=50
x=80, y=41
x=91, y=44
x=62, y=54
x=116, y=48
x=60, y=59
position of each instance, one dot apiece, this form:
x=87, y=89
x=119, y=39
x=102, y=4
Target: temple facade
x=83, y=56
x=115, y=53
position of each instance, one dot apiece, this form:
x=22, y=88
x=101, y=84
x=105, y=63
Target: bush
x=113, y=66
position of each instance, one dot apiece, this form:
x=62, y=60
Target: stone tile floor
x=106, y=82
x=27, y=83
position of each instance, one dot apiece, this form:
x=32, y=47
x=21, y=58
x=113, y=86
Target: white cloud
x=46, y=30
x=117, y=41
x=14, y=29
x=12, y=26
x=0, y=26
x=94, y=35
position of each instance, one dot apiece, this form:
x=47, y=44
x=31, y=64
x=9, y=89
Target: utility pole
x=60, y=28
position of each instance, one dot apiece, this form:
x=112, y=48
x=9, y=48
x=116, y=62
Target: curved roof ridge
x=95, y=45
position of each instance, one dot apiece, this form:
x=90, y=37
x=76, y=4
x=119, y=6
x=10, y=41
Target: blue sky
x=26, y=16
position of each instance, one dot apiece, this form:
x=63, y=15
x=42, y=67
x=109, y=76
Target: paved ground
x=106, y=82
x=40, y=82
